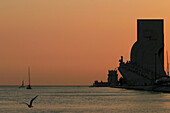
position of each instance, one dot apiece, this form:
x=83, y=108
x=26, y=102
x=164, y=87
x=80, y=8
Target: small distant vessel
x=22, y=86
x=29, y=85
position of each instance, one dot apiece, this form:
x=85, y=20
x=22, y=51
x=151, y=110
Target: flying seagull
x=30, y=105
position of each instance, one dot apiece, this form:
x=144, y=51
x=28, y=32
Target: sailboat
x=22, y=84
x=29, y=85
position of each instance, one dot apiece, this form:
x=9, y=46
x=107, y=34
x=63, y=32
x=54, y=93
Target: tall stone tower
x=112, y=78
x=148, y=51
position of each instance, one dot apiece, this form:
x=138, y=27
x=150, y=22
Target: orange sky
x=70, y=42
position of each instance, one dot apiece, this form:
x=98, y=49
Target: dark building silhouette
x=112, y=80
x=147, y=54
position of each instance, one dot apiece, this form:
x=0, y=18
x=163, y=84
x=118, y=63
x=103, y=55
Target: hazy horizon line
x=51, y=85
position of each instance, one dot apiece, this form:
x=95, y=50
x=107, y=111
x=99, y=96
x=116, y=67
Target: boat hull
x=29, y=87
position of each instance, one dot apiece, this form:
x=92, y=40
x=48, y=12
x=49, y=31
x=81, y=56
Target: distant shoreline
x=47, y=85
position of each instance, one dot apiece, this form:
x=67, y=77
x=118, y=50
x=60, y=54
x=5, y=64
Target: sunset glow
x=70, y=42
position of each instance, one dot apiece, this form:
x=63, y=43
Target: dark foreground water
x=82, y=100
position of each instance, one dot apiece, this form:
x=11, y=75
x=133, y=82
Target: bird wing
x=25, y=103
x=33, y=100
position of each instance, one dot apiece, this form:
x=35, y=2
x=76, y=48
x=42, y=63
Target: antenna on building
x=167, y=64
x=155, y=67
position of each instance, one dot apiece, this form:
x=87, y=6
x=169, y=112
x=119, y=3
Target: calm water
x=82, y=100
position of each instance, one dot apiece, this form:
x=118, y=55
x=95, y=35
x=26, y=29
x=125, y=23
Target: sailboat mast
x=29, y=74
x=167, y=64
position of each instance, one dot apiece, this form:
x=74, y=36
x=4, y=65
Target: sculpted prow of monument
x=146, y=63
